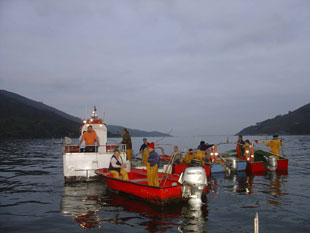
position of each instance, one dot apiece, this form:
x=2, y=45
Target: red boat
x=260, y=163
x=261, y=166
x=168, y=192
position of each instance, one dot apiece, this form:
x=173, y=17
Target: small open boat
x=169, y=191
x=263, y=161
x=137, y=185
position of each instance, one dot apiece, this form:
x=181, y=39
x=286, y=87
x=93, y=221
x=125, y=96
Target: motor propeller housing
x=194, y=180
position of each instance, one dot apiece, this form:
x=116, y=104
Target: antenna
x=103, y=112
x=85, y=116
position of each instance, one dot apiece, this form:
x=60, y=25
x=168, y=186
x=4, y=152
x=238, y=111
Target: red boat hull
x=260, y=167
x=137, y=186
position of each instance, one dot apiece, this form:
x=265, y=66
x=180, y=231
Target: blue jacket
x=153, y=158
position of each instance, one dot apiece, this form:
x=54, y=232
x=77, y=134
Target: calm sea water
x=34, y=198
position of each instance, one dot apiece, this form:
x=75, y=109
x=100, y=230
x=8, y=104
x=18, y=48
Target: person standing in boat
x=127, y=141
x=152, y=168
x=144, y=145
x=274, y=144
x=90, y=138
x=203, y=152
x=202, y=146
x=177, y=155
x=144, y=152
x=117, y=166
x=239, y=147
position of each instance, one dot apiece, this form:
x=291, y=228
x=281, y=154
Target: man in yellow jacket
x=189, y=157
x=274, y=144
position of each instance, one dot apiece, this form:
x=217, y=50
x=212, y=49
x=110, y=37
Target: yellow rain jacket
x=188, y=158
x=201, y=156
x=274, y=146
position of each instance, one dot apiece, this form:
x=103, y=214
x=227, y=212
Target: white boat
x=81, y=166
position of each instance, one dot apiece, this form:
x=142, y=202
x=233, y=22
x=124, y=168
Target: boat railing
x=108, y=148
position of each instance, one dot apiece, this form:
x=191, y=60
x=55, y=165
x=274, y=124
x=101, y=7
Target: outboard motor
x=194, y=180
x=231, y=165
x=272, y=163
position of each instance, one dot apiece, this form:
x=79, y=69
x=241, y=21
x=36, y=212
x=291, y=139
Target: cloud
x=203, y=67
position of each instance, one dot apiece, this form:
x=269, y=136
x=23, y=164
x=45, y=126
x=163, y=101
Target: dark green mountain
x=293, y=123
x=37, y=105
x=24, y=118
x=117, y=130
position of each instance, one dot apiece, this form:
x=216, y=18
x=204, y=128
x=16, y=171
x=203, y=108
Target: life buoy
x=249, y=154
x=213, y=154
x=252, y=154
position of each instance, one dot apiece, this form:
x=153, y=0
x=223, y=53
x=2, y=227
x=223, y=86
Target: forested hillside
x=293, y=123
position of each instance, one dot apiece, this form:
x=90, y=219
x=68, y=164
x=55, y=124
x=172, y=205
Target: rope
x=169, y=132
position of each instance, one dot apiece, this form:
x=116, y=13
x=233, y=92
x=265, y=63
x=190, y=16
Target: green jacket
x=127, y=141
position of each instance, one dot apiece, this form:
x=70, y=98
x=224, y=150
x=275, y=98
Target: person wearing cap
x=117, y=166
x=144, y=145
x=144, y=152
x=274, y=144
x=127, y=141
x=90, y=138
x=152, y=168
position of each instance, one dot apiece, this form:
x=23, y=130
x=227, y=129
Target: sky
x=195, y=67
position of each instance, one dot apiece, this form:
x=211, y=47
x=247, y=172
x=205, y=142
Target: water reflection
x=193, y=220
x=276, y=179
x=92, y=205
x=82, y=201
x=267, y=182
x=152, y=218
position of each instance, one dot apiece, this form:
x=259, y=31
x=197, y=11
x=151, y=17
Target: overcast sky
x=197, y=67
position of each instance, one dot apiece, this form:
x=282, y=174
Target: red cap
x=151, y=145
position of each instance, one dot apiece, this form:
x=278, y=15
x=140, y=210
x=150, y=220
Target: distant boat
x=61, y=141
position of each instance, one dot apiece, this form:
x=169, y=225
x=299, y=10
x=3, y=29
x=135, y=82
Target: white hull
x=82, y=166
